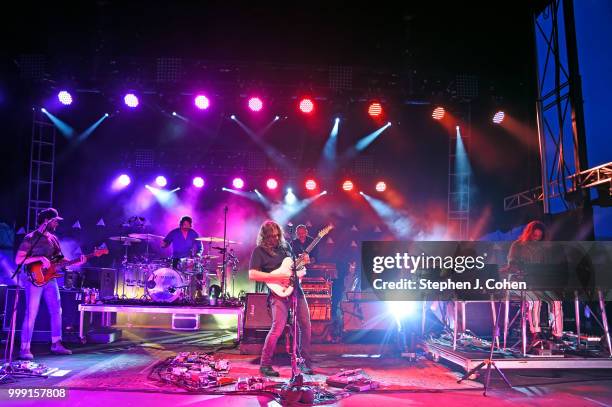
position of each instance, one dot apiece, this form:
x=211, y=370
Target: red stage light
x=381, y=186
x=499, y=117
x=438, y=113
x=306, y=105
x=375, y=109
x=347, y=185
x=255, y=104
x=311, y=185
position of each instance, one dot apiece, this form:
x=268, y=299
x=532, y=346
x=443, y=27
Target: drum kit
x=170, y=280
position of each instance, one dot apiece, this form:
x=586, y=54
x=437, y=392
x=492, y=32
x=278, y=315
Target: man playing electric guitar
x=41, y=246
x=266, y=266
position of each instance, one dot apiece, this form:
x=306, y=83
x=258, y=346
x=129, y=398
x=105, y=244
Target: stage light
x=271, y=183
x=381, y=186
x=201, y=102
x=106, y=114
x=347, y=185
x=255, y=104
x=238, y=183
x=375, y=109
x=290, y=198
x=198, y=182
x=499, y=117
x=276, y=117
x=124, y=180
x=161, y=181
x=438, y=113
x=311, y=184
x=131, y=100
x=64, y=97
x=173, y=113
x=42, y=109
x=306, y=105
x=233, y=117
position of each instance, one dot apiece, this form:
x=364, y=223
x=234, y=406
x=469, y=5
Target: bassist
x=41, y=246
x=267, y=257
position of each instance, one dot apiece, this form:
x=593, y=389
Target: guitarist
x=42, y=246
x=301, y=242
x=268, y=256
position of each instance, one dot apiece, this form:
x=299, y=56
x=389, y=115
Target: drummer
x=183, y=240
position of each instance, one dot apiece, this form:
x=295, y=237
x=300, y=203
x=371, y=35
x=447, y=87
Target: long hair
x=530, y=228
x=267, y=229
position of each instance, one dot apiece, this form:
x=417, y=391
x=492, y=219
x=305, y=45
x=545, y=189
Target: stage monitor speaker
x=70, y=300
x=257, y=313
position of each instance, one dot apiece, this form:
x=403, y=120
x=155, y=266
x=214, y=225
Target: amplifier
x=320, y=309
x=326, y=271
x=316, y=288
x=256, y=312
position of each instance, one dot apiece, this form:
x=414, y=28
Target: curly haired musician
x=267, y=257
x=42, y=246
x=522, y=253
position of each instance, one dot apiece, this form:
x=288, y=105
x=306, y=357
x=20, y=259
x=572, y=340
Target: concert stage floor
x=118, y=374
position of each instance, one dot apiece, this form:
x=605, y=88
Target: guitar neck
x=312, y=244
x=67, y=263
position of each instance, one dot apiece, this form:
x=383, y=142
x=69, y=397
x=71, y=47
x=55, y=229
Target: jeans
x=33, y=294
x=280, y=311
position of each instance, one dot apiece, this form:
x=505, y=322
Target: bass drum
x=165, y=285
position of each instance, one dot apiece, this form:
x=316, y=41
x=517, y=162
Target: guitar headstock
x=325, y=230
x=100, y=251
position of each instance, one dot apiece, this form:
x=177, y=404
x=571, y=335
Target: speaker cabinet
x=257, y=314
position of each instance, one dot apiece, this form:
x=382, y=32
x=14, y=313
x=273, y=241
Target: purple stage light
x=65, y=97
x=161, y=181
x=238, y=183
x=124, y=180
x=255, y=104
x=198, y=182
x=131, y=100
x=202, y=102
x=499, y=117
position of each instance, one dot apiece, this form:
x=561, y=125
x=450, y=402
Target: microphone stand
x=6, y=370
x=296, y=377
x=224, y=261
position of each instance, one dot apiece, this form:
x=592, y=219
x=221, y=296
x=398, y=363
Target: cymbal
x=145, y=236
x=210, y=256
x=213, y=239
x=125, y=239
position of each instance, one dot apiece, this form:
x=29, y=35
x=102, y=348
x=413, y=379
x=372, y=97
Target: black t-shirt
x=46, y=245
x=299, y=247
x=263, y=261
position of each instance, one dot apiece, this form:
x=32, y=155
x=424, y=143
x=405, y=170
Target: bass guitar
x=39, y=275
x=287, y=266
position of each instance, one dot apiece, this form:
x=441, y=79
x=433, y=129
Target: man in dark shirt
x=42, y=246
x=302, y=241
x=183, y=240
x=268, y=256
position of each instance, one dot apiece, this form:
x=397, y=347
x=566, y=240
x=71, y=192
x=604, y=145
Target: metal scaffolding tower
x=42, y=167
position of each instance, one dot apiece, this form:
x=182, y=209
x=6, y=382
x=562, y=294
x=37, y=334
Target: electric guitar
x=39, y=275
x=287, y=265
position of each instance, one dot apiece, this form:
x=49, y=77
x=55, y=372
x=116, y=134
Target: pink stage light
x=255, y=104
x=202, y=102
x=347, y=185
x=238, y=183
x=381, y=186
x=271, y=183
x=124, y=180
x=198, y=182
